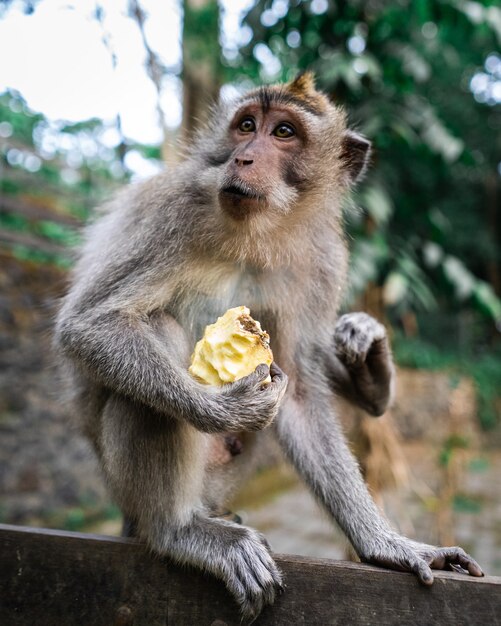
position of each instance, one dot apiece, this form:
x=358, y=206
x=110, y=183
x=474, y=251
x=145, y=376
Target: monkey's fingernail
x=475, y=570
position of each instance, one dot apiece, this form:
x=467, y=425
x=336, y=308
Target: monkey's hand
x=253, y=403
x=362, y=349
x=400, y=553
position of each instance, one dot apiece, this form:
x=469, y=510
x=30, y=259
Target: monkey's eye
x=284, y=131
x=247, y=125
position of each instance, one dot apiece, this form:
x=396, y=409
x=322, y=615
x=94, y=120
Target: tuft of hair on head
x=303, y=84
x=303, y=89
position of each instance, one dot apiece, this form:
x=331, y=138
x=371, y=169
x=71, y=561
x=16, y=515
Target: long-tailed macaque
x=252, y=217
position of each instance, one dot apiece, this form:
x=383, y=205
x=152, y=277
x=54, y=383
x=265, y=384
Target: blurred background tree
x=51, y=176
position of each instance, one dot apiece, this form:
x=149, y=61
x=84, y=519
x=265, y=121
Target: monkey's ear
x=356, y=151
x=303, y=84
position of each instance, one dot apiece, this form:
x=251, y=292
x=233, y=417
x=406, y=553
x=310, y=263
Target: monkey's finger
x=378, y=347
x=249, y=611
x=278, y=580
x=264, y=541
x=256, y=594
x=277, y=374
x=267, y=561
x=422, y=571
x=344, y=351
x=237, y=587
x=262, y=578
x=259, y=596
x=457, y=556
x=250, y=597
x=256, y=378
x=262, y=372
x=473, y=568
x=359, y=359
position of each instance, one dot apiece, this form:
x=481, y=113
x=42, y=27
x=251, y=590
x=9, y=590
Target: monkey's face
x=286, y=149
x=265, y=169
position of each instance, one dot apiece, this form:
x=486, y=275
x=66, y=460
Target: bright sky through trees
x=58, y=60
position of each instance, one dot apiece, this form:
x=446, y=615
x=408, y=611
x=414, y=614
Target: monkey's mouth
x=239, y=192
x=239, y=200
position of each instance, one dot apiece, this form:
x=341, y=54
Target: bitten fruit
x=230, y=349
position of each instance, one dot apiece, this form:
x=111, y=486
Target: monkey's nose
x=242, y=162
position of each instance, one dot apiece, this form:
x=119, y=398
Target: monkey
x=252, y=215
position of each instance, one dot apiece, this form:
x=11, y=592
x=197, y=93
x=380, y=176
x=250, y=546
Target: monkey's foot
x=354, y=335
x=250, y=573
x=419, y=558
x=237, y=555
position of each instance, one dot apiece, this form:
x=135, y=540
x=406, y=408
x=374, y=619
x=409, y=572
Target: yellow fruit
x=230, y=349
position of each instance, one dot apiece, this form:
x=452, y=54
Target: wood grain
x=60, y=578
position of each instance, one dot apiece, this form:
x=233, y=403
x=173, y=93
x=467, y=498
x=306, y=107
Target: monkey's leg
x=129, y=527
x=156, y=471
x=360, y=365
x=311, y=437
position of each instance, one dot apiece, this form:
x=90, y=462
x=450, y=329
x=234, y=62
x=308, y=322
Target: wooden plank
x=60, y=578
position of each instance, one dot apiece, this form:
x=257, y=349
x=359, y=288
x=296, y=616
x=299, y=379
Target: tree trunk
x=201, y=63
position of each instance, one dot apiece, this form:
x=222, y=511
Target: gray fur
x=160, y=263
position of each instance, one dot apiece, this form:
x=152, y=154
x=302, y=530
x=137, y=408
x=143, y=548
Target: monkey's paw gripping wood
x=230, y=349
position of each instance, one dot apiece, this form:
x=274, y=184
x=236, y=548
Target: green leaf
x=486, y=297
x=459, y=276
x=466, y=504
x=395, y=289
x=378, y=203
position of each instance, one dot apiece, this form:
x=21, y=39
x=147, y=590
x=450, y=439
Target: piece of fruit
x=230, y=349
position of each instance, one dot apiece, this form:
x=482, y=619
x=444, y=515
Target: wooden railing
x=55, y=578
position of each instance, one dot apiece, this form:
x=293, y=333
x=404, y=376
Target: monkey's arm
x=360, y=366
x=312, y=439
x=122, y=349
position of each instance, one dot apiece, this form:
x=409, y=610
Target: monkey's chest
x=204, y=302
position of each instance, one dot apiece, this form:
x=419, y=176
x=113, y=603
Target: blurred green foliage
x=80, y=518
x=86, y=514
x=420, y=79
x=452, y=443
x=483, y=367
x=54, y=173
x=467, y=504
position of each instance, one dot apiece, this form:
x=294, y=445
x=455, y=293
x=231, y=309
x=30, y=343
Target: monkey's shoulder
x=143, y=215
